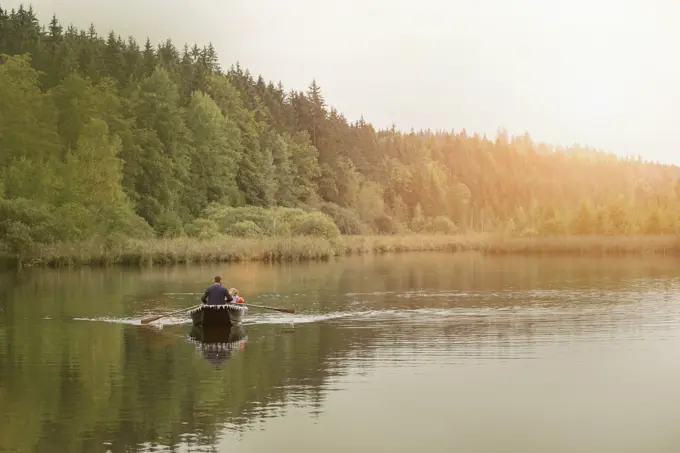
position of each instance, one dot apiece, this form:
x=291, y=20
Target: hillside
x=110, y=138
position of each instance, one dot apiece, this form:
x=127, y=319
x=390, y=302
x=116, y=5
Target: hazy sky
x=598, y=72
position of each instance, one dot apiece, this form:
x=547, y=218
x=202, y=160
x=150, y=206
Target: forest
x=106, y=137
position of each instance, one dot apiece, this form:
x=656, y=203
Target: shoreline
x=132, y=253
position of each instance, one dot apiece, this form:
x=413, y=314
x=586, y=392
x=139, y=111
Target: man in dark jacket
x=216, y=294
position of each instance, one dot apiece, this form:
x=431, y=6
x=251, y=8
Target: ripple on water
x=524, y=325
x=112, y=320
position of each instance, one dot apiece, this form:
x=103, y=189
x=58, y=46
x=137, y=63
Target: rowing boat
x=218, y=315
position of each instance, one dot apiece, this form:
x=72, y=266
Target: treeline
x=106, y=137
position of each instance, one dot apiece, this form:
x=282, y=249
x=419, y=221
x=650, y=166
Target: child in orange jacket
x=237, y=299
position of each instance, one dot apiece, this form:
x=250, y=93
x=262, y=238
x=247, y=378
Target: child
x=234, y=293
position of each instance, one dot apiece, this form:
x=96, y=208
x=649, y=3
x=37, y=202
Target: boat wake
x=112, y=320
x=436, y=307
x=295, y=319
x=421, y=314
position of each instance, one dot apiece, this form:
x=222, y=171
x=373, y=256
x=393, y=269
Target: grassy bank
x=228, y=249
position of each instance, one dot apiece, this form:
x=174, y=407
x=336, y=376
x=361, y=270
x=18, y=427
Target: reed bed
x=586, y=245
x=133, y=252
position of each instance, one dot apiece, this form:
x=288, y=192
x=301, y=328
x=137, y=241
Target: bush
x=347, y=221
x=17, y=238
x=272, y=221
x=315, y=224
x=74, y=221
x=202, y=229
x=442, y=225
x=168, y=225
x=24, y=223
x=418, y=224
x=384, y=224
x=245, y=229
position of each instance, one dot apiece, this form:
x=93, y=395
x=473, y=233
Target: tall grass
x=586, y=245
x=303, y=248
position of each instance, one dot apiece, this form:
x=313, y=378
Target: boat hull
x=218, y=315
x=229, y=338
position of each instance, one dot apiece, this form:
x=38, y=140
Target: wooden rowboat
x=218, y=315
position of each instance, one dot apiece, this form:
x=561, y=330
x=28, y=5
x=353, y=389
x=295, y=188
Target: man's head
x=218, y=279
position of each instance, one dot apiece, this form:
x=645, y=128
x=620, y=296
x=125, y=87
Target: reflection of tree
x=75, y=385
x=144, y=387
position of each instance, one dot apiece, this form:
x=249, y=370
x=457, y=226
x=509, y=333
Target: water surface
x=429, y=351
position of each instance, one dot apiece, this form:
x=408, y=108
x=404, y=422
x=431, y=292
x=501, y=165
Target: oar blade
x=283, y=310
x=151, y=319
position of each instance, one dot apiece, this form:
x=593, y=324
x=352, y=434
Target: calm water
x=400, y=353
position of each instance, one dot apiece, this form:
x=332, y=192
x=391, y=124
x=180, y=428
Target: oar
x=153, y=318
x=284, y=310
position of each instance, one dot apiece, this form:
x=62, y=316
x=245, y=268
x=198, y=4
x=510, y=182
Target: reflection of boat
x=218, y=343
x=218, y=315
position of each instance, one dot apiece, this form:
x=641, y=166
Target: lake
x=431, y=351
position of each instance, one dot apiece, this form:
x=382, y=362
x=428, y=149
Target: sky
x=603, y=73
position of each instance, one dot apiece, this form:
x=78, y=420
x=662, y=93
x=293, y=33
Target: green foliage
x=17, y=237
x=245, y=229
x=26, y=222
x=161, y=150
x=215, y=154
x=275, y=222
x=345, y=219
x=169, y=225
x=202, y=229
x=315, y=224
x=370, y=204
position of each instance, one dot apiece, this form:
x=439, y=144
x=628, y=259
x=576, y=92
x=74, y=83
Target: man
x=216, y=294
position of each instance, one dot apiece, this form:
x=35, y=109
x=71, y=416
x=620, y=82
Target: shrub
x=272, y=221
x=346, y=220
x=74, y=221
x=384, y=224
x=315, y=224
x=17, y=238
x=24, y=222
x=168, y=225
x=245, y=229
x=202, y=229
x=442, y=225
